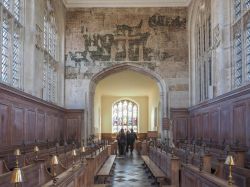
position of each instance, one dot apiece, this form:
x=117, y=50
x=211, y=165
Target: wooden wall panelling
x=229, y=116
x=225, y=125
x=24, y=117
x=248, y=123
x=206, y=130
x=40, y=128
x=181, y=123
x=239, y=123
x=30, y=126
x=198, y=127
x=4, y=124
x=214, y=126
x=17, y=125
x=49, y=130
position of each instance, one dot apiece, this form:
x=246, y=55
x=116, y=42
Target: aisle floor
x=129, y=172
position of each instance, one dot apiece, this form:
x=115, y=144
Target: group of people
x=126, y=141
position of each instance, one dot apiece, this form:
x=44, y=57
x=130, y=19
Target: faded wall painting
x=101, y=37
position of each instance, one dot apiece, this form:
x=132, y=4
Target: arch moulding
x=163, y=89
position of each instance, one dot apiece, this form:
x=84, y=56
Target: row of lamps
x=17, y=176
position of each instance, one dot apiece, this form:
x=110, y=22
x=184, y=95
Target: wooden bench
x=154, y=169
x=106, y=170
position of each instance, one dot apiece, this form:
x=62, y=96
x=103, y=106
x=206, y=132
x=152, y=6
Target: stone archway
x=89, y=129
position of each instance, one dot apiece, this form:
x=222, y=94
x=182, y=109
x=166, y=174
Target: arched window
x=11, y=22
x=241, y=42
x=50, y=55
x=124, y=115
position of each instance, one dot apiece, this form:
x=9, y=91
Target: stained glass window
x=124, y=115
x=238, y=59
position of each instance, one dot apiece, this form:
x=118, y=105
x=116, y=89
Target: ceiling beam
x=125, y=3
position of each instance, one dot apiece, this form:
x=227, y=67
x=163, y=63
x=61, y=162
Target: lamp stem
x=230, y=178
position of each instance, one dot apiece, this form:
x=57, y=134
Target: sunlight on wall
x=127, y=85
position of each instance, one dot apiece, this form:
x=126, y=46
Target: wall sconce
x=17, y=174
x=36, y=150
x=230, y=162
x=73, y=155
x=54, y=163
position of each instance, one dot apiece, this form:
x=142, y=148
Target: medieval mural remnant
x=143, y=41
x=166, y=21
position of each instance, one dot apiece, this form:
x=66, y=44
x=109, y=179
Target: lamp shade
x=73, y=152
x=17, y=152
x=54, y=160
x=36, y=149
x=83, y=149
x=17, y=176
x=229, y=161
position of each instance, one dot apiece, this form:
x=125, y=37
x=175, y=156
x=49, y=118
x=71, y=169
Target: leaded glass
x=124, y=115
x=6, y=3
x=238, y=59
x=17, y=9
x=5, y=50
x=16, y=61
x=248, y=50
x=49, y=79
x=247, y=3
x=45, y=35
x=237, y=8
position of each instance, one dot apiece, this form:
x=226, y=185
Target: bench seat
x=158, y=174
x=106, y=169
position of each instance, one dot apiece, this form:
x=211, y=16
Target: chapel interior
x=75, y=74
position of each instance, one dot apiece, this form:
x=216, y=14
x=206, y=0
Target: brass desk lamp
x=230, y=162
x=17, y=174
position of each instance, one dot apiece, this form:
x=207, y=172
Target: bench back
x=169, y=165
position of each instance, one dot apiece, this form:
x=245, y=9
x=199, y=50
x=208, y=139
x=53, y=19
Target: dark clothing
x=122, y=140
x=131, y=141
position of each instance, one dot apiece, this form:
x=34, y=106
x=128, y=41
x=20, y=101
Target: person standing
x=131, y=140
x=122, y=140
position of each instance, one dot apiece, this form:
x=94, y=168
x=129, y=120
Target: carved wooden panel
x=214, y=116
x=4, y=124
x=181, y=128
x=198, y=127
x=17, y=125
x=73, y=129
x=40, y=128
x=225, y=125
x=192, y=128
x=206, y=127
x=239, y=124
x=49, y=128
x=30, y=128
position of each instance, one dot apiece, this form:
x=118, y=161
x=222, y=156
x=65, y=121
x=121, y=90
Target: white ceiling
x=127, y=83
x=125, y=3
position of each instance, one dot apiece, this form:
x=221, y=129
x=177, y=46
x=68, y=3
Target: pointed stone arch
x=163, y=89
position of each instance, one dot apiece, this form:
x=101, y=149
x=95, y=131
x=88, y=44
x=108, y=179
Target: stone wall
x=33, y=55
x=154, y=38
